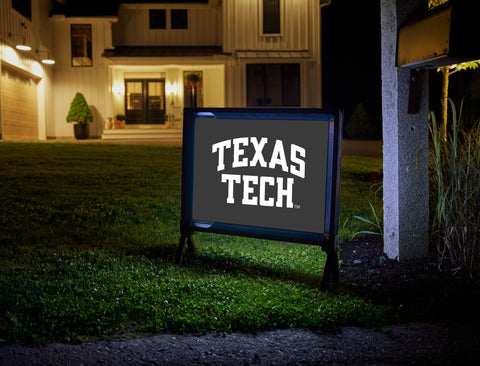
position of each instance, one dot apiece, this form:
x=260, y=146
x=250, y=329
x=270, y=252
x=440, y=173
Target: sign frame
x=328, y=239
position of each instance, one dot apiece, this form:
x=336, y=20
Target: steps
x=143, y=132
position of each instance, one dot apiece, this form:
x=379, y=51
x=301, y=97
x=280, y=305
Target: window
x=81, y=44
x=271, y=16
x=24, y=7
x=273, y=85
x=179, y=19
x=158, y=19
x=134, y=95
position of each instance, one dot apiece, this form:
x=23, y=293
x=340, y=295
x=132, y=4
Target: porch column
x=405, y=185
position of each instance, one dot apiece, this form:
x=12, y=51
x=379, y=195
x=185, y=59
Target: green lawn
x=88, y=234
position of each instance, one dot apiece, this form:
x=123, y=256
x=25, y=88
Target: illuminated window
x=81, y=44
x=158, y=19
x=271, y=16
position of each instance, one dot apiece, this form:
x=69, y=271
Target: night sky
x=351, y=57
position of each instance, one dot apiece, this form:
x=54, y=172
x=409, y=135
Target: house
x=147, y=60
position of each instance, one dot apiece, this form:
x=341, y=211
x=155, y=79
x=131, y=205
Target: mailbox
x=445, y=36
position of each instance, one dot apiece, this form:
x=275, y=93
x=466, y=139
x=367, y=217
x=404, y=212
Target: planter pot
x=81, y=131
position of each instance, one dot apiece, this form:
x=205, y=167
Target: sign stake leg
x=185, y=246
x=331, y=271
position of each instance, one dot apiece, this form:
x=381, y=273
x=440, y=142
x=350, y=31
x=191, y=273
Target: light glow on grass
x=88, y=241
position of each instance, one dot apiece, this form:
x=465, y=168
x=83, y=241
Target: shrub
x=455, y=181
x=359, y=126
x=79, y=110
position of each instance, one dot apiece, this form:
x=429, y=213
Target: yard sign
x=265, y=173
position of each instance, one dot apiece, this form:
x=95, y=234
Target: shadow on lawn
x=254, y=269
x=227, y=264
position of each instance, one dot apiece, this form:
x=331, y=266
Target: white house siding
x=133, y=27
x=91, y=81
x=299, y=42
x=214, y=87
x=242, y=26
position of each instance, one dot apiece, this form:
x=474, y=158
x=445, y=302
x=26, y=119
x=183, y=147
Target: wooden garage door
x=19, y=105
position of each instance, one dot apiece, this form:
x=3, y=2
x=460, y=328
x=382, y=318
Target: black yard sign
x=265, y=173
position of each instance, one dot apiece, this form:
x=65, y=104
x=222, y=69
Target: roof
x=163, y=51
x=274, y=54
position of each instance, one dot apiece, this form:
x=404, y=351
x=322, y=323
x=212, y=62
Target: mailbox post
x=405, y=187
x=413, y=41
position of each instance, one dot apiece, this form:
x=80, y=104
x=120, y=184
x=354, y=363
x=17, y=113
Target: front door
x=145, y=101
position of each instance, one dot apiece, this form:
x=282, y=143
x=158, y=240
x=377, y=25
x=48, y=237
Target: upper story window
x=158, y=19
x=24, y=7
x=179, y=18
x=81, y=44
x=271, y=19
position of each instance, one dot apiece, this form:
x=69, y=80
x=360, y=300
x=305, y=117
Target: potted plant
x=120, y=120
x=81, y=115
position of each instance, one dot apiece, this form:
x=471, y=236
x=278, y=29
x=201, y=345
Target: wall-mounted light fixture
x=118, y=89
x=23, y=46
x=47, y=60
x=20, y=41
x=172, y=88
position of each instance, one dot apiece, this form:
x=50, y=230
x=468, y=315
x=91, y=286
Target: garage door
x=18, y=105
